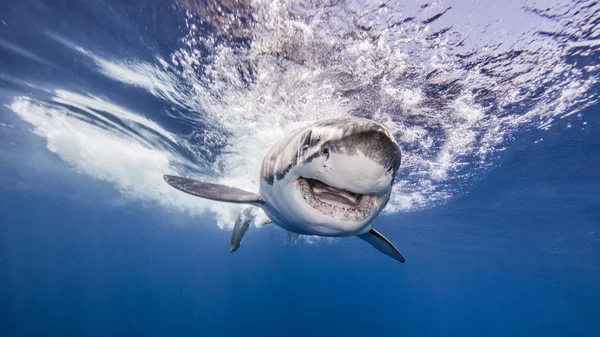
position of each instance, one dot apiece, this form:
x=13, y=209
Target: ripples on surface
x=454, y=81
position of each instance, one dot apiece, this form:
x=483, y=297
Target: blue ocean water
x=496, y=208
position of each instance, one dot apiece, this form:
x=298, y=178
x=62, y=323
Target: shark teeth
x=340, y=204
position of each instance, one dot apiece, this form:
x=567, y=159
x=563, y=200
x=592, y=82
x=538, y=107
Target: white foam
x=91, y=104
x=308, y=62
x=110, y=155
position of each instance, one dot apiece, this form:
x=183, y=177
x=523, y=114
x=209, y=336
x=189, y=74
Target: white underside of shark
x=331, y=178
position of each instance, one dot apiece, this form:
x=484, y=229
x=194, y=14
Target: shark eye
x=325, y=151
x=391, y=170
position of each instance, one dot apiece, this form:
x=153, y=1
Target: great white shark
x=331, y=178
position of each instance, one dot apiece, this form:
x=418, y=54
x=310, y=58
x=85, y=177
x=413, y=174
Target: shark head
x=333, y=176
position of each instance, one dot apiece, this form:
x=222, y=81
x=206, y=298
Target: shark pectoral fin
x=213, y=191
x=375, y=239
x=239, y=230
x=293, y=236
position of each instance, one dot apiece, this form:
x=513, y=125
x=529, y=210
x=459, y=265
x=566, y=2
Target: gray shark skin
x=331, y=178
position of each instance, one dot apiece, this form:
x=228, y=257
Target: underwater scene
x=299, y=168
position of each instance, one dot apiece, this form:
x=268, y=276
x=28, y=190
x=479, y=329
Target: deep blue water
x=515, y=253
x=518, y=255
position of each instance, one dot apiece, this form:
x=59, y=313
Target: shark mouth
x=335, y=202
